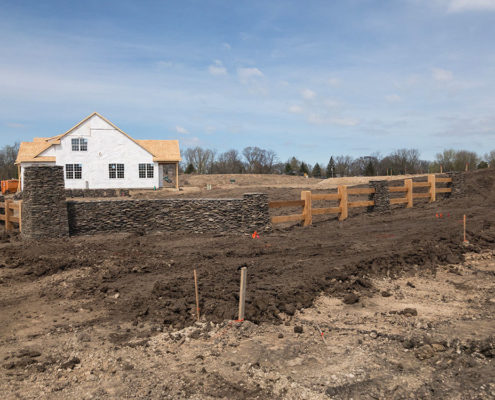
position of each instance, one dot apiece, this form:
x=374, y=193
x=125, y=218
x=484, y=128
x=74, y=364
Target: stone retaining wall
x=46, y=213
x=194, y=215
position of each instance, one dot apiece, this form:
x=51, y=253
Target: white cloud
x=318, y=119
x=226, y=46
x=334, y=82
x=393, y=98
x=15, y=125
x=308, y=94
x=470, y=5
x=295, y=109
x=249, y=74
x=440, y=74
x=181, y=130
x=217, y=68
x=331, y=103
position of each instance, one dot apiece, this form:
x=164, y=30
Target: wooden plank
x=408, y=183
x=432, y=182
x=421, y=184
x=8, y=215
x=343, y=202
x=326, y=196
x=14, y=219
x=400, y=200
x=397, y=189
x=14, y=206
x=329, y=210
x=361, y=191
x=2, y=217
x=421, y=195
x=20, y=216
x=367, y=203
x=306, y=196
x=444, y=180
x=443, y=190
x=289, y=203
x=287, y=218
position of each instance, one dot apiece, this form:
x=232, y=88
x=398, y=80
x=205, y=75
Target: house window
x=116, y=171
x=73, y=171
x=146, y=170
x=79, y=144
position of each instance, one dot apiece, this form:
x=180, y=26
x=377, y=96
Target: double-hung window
x=116, y=171
x=79, y=144
x=73, y=171
x=146, y=170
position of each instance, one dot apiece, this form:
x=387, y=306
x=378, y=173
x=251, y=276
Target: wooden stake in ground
x=464, y=220
x=242, y=293
x=197, y=293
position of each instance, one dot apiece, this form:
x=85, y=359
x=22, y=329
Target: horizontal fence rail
x=342, y=196
x=8, y=217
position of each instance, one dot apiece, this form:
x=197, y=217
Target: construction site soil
x=80, y=316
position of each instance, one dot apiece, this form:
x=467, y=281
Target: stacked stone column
x=381, y=197
x=255, y=213
x=44, y=209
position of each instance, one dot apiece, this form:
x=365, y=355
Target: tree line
x=256, y=160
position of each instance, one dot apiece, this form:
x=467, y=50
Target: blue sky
x=304, y=78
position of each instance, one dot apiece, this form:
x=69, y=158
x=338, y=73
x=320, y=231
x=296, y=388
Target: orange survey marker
x=255, y=235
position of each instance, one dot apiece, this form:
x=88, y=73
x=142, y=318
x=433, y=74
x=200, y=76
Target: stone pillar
x=457, y=184
x=255, y=213
x=381, y=197
x=44, y=209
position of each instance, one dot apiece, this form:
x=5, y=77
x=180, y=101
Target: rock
x=84, y=337
x=386, y=293
x=438, y=347
x=409, y=312
x=425, y=352
x=298, y=329
x=280, y=335
x=350, y=298
x=373, y=335
x=410, y=284
x=71, y=363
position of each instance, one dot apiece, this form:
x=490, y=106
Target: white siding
x=106, y=145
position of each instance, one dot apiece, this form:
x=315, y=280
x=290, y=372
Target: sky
x=303, y=78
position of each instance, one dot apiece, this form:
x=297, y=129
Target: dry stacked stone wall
x=193, y=215
x=44, y=209
x=458, y=184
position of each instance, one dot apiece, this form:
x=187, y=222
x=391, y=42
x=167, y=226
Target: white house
x=96, y=154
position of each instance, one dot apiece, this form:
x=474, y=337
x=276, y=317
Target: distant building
x=96, y=154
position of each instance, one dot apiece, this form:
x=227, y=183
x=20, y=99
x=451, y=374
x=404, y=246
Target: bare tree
x=343, y=165
x=229, y=163
x=8, y=155
x=201, y=159
x=259, y=161
x=456, y=160
x=490, y=158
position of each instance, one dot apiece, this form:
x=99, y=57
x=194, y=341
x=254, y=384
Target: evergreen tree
x=287, y=169
x=304, y=168
x=316, y=171
x=482, y=164
x=331, y=168
x=190, y=169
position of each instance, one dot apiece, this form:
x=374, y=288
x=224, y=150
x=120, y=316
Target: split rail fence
x=342, y=196
x=9, y=217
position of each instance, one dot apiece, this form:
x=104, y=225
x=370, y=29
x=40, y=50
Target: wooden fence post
x=343, y=202
x=20, y=215
x=8, y=214
x=308, y=217
x=408, y=183
x=242, y=294
x=433, y=188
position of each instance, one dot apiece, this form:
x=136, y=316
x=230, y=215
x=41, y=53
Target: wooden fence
x=9, y=208
x=342, y=196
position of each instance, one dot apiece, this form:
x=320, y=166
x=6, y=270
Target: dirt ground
x=405, y=307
